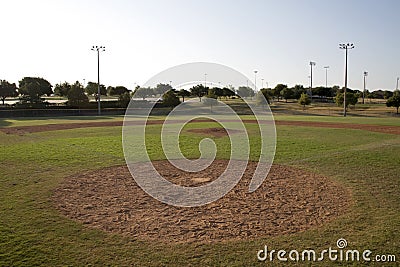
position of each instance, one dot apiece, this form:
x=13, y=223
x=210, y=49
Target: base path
x=53, y=127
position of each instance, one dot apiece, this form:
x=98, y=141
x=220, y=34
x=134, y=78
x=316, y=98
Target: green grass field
x=32, y=231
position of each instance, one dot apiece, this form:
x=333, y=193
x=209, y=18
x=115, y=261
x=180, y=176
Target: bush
x=304, y=100
x=170, y=99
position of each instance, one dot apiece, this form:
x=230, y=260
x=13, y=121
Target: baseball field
x=66, y=197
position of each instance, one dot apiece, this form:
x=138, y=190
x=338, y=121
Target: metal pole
x=311, y=76
x=326, y=76
x=345, y=86
x=346, y=47
x=397, y=84
x=97, y=49
x=262, y=83
x=205, y=80
x=98, y=82
x=255, y=81
x=365, y=78
x=311, y=80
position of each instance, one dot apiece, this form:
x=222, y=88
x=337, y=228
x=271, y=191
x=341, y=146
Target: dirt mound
x=216, y=132
x=290, y=200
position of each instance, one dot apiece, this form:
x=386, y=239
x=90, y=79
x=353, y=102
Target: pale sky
x=52, y=39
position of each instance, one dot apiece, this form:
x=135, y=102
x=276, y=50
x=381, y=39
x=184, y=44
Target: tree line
x=32, y=89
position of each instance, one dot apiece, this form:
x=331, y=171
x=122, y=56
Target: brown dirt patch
x=20, y=130
x=290, y=200
x=216, y=132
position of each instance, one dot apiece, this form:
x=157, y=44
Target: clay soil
x=290, y=200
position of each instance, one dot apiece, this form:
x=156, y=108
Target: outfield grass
x=349, y=119
x=32, y=232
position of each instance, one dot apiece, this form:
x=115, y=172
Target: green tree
x=262, y=97
x=183, y=93
x=304, y=100
x=199, y=91
x=217, y=92
x=323, y=91
x=351, y=99
x=33, y=88
x=298, y=89
x=226, y=92
x=387, y=94
x=76, y=96
x=162, y=88
x=394, y=101
x=277, y=90
x=170, y=99
x=211, y=93
x=62, y=89
x=124, y=99
x=92, y=89
x=117, y=90
x=245, y=91
x=287, y=93
x=7, y=90
x=143, y=92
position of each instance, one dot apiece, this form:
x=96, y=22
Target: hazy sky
x=52, y=39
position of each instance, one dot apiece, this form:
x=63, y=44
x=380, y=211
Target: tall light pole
x=262, y=83
x=205, y=80
x=312, y=64
x=365, y=78
x=98, y=49
x=346, y=47
x=326, y=76
x=397, y=84
x=255, y=80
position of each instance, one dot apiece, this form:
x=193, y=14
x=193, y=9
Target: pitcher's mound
x=290, y=200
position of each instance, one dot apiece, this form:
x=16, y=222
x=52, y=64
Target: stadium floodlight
x=326, y=76
x=345, y=47
x=312, y=64
x=365, y=77
x=255, y=80
x=98, y=49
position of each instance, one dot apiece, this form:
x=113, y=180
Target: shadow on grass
x=4, y=122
